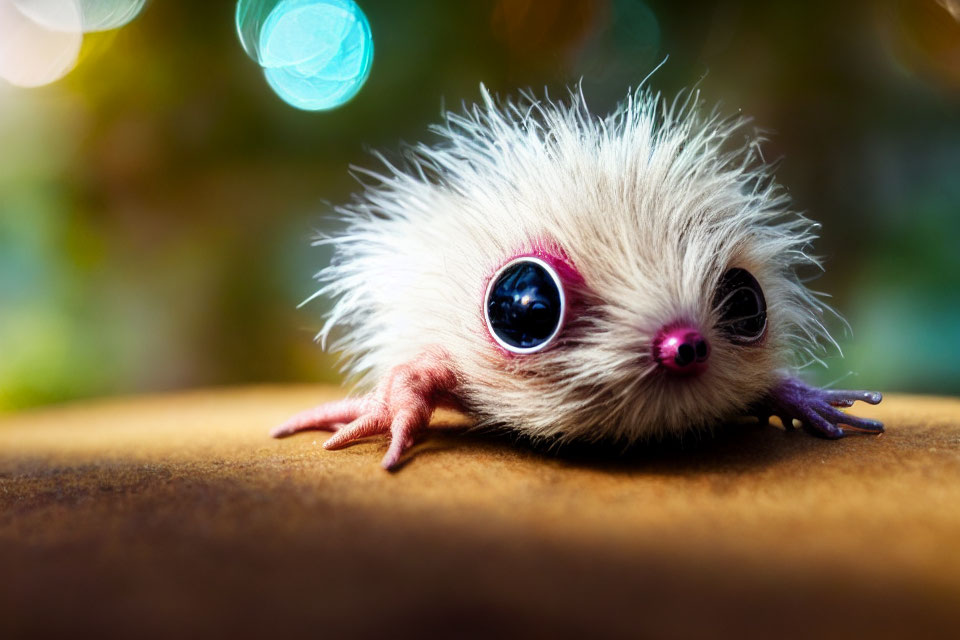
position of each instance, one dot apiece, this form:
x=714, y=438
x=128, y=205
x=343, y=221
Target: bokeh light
x=250, y=17
x=32, y=55
x=40, y=40
x=95, y=15
x=923, y=38
x=316, y=54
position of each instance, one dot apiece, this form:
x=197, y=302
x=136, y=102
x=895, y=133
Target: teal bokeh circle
x=316, y=54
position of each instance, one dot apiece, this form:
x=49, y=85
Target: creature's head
x=592, y=278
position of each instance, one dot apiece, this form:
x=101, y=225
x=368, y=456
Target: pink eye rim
x=568, y=278
x=509, y=322
x=553, y=254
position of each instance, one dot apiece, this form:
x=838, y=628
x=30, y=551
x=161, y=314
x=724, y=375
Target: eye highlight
x=524, y=306
x=741, y=307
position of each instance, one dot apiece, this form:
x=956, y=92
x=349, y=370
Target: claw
x=401, y=429
x=839, y=398
x=818, y=425
x=325, y=416
x=362, y=427
x=859, y=424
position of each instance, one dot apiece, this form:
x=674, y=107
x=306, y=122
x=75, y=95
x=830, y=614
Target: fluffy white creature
x=571, y=276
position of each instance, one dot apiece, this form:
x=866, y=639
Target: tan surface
x=148, y=516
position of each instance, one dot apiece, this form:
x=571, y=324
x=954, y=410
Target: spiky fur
x=651, y=204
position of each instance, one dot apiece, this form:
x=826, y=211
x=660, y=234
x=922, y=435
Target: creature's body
x=572, y=277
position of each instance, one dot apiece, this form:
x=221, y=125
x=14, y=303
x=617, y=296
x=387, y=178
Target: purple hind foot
x=817, y=408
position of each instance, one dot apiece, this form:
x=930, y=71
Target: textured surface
x=150, y=516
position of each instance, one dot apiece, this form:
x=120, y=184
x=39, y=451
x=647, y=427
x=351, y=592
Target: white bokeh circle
x=95, y=15
x=32, y=55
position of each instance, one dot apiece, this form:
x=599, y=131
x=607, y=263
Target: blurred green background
x=156, y=205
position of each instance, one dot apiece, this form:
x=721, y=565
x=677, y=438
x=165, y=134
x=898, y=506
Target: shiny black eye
x=524, y=307
x=741, y=307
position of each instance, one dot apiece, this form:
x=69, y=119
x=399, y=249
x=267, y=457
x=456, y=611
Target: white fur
x=651, y=204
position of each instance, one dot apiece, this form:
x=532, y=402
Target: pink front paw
x=401, y=406
x=402, y=421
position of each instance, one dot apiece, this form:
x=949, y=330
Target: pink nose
x=681, y=350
